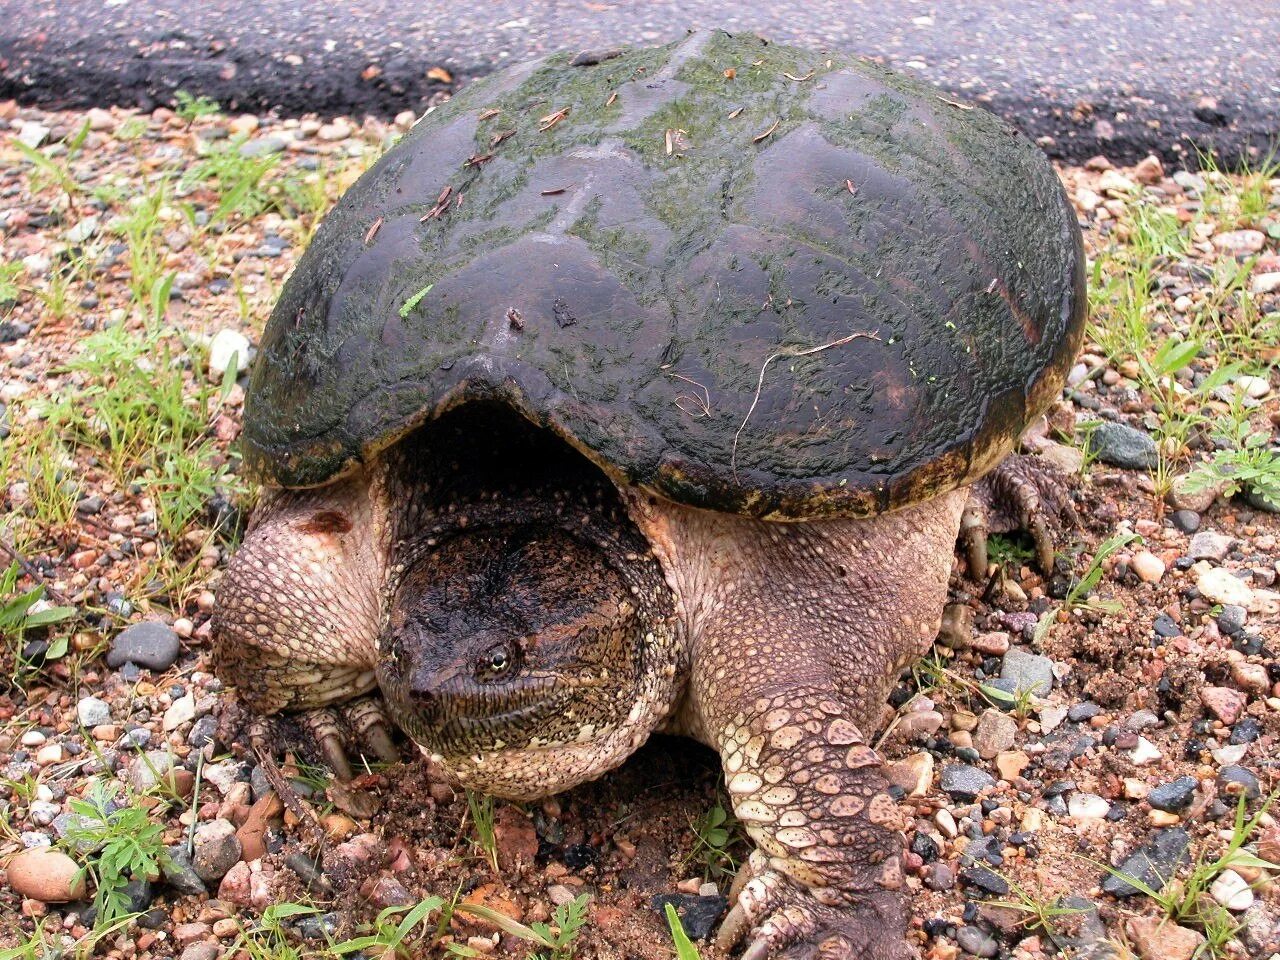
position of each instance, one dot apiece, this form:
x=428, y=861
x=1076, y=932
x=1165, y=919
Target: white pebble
x=225, y=345
x=1232, y=891
x=1145, y=752
x=1088, y=806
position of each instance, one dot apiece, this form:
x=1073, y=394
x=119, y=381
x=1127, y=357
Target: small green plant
x=267, y=939
x=685, y=950
x=398, y=932
x=124, y=845
x=237, y=180
x=1010, y=551
x=1245, y=459
x=480, y=806
x=714, y=834
x=1039, y=916
x=1079, y=596
x=191, y=108
x=50, y=172
x=9, y=288
x=556, y=938
x=25, y=610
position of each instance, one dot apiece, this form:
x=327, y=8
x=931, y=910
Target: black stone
x=1154, y=863
x=698, y=915
x=962, y=782
x=1173, y=797
x=985, y=880
x=1246, y=731
x=149, y=644
x=925, y=847
x=1234, y=780
x=1080, y=712
x=1188, y=521
x=1165, y=626
x=579, y=856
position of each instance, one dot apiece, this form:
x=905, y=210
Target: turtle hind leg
x=1023, y=492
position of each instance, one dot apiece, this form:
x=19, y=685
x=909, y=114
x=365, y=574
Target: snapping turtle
x=651, y=391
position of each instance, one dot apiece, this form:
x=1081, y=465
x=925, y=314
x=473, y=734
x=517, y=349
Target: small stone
x=1234, y=781
x=1265, y=283
x=91, y=712
x=1144, y=752
x=698, y=915
x=1051, y=717
x=1162, y=818
x=1087, y=806
x=225, y=346
x=1011, y=763
x=180, y=873
x=994, y=643
x=1081, y=712
x=1223, y=702
x=201, y=951
x=914, y=774
x=1232, y=618
x=1220, y=586
x=1149, y=170
x=1174, y=796
x=217, y=850
x=337, y=130
x=1158, y=938
x=1232, y=891
x=1123, y=446
x=946, y=823
x=939, y=876
x=262, y=146
x=1147, y=566
x=977, y=941
x=32, y=135
x=149, y=644
x=1255, y=388
x=47, y=875
x=1239, y=243
x=995, y=733
x=963, y=782
x=1187, y=494
x=182, y=710
x=1153, y=863
x=985, y=880
x=956, y=629
x=918, y=725
x=1030, y=672
x=1209, y=545
x=1188, y=521
x=49, y=753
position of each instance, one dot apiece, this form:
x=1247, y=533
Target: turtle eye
x=496, y=662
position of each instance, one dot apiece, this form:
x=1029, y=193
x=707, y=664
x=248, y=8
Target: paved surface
x=1120, y=77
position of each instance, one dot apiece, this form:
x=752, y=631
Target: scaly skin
x=774, y=643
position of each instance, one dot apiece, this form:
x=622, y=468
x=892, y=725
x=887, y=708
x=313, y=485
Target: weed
x=1245, y=460
x=1038, y=915
x=49, y=172
x=685, y=950
x=235, y=178
x=715, y=833
x=480, y=806
x=22, y=611
x=392, y=935
x=191, y=108
x=556, y=938
x=124, y=842
x=141, y=231
x=408, y=306
x=1010, y=551
x=9, y=289
x=1079, y=596
x=266, y=939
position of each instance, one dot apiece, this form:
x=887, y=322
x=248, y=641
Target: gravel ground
x=1118, y=712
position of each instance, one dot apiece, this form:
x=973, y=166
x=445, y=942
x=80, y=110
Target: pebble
x=92, y=712
x=1011, y=763
x=1250, y=677
x=337, y=130
x=1235, y=780
x=698, y=915
x=913, y=774
x=1029, y=671
x=149, y=644
x=1188, y=521
x=1239, y=243
x=1265, y=283
x=994, y=643
x=1144, y=752
x=1209, y=545
x=1153, y=863
x=201, y=951
x=1253, y=387
x=995, y=733
x=262, y=146
x=182, y=710
x=46, y=875
x=977, y=941
x=180, y=873
x=946, y=823
x=1147, y=566
x=1232, y=891
x=225, y=345
x=939, y=876
x=1231, y=619
x=1088, y=806
x=1123, y=446
x=1158, y=938
x=1183, y=496
x=217, y=850
x=1175, y=796
x=963, y=782
x=1220, y=586
x=33, y=134
x=150, y=769
x=1225, y=703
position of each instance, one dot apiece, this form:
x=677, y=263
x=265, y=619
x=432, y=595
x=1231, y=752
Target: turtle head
x=527, y=657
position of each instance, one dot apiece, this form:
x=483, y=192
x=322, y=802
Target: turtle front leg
x=297, y=615
x=798, y=632
x=1023, y=492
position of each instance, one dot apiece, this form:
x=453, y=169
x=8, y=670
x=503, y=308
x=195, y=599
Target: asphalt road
x=1119, y=77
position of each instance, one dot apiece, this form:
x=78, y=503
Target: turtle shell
x=747, y=277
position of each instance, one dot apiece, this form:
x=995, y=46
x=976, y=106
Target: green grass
x=685, y=950
x=238, y=181
x=191, y=108
x=22, y=611
x=480, y=806
x=717, y=834
x=555, y=941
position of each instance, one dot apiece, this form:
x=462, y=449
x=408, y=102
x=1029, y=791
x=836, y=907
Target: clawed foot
x=1022, y=493
x=778, y=919
x=331, y=735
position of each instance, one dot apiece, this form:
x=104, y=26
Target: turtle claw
x=1022, y=493
x=330, y=735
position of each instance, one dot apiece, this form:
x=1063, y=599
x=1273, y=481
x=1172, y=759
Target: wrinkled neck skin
x=529, y=639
